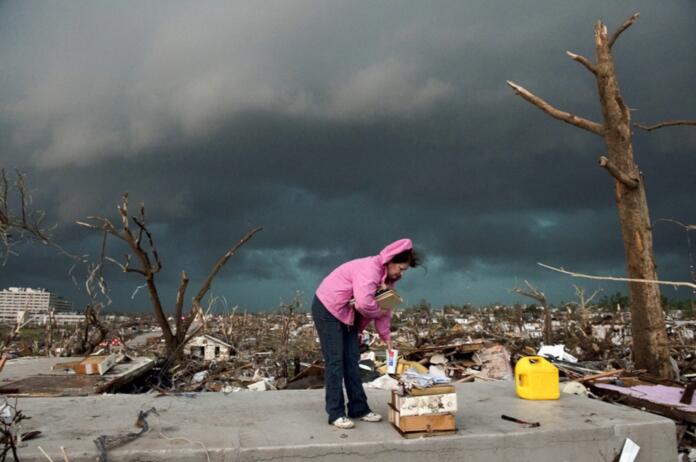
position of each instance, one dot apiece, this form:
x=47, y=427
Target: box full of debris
x=423, y=406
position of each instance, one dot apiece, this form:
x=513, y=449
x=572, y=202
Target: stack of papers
x=413, y=379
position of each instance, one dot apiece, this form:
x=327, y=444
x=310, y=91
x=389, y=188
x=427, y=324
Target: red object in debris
x=116, y=342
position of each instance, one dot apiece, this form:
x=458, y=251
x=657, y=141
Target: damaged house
x=208, y=348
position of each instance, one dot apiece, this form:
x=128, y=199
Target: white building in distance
x=33, y=305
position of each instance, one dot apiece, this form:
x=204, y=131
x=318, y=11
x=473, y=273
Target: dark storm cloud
x=340, y=127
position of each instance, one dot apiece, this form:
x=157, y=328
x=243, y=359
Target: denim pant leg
x=357, y=401
x=330, y=332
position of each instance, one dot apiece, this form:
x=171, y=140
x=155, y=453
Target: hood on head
x=393, y=249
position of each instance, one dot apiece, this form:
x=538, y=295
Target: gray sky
x=340, y=127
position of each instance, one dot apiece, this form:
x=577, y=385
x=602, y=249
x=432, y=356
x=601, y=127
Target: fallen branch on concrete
x=105, y=443
x=44, y=453
x=520, y=421
x=180, y=438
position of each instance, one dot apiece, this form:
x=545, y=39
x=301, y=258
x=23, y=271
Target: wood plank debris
x=95, y=364
x=60, y=383
x=659, y=399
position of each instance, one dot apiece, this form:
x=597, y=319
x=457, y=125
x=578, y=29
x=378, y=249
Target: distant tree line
x=609, y=302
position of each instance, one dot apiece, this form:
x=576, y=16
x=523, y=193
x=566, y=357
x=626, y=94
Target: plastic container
x=536, y=378
x=392, y=360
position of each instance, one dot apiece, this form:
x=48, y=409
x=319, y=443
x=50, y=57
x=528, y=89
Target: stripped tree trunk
x=650, y=348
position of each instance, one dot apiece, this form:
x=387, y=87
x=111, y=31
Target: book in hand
x=388, y=299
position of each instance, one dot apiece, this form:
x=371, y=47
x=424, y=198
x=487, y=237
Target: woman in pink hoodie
x=344, y=304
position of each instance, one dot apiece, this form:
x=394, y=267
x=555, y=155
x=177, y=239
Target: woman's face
x=395, y=270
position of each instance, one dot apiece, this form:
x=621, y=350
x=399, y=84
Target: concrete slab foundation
x=291, y=426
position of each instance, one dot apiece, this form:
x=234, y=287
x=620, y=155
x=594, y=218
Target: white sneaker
x=343, y=422
x=371, y=417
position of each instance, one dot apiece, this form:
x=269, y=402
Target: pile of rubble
x=274, y=351
x=264, y=351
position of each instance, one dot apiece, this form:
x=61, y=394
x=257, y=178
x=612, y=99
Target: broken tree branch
x=628, y=23
x=44, y=453
x=580, y=293
x=18, y=222
x=143, y=229
x=612, y=278
x=183, y=283
x=125, y=267
x=620, y=176
x=668, y=123
x=584, y=61
x=567, y=117
x=221, y=262
x=685, y=226
x=601, y=375
x=106, y=443
x=533, y=292
x=196, y=304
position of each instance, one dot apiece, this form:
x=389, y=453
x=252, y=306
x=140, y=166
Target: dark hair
x=409, y=256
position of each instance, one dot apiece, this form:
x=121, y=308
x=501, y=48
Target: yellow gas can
x=536, y=378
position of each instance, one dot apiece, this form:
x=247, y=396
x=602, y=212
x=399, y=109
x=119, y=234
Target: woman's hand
x=389, y=344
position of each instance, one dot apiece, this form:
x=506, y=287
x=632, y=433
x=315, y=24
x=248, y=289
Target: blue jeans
x=339, y=345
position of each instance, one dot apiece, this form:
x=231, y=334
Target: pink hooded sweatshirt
x=360, y=279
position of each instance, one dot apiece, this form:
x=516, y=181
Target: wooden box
x=422, y=425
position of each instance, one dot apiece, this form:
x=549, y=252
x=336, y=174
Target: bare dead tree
x=536, y=294
x=18, y=221
x=287, y=312
x=142, y=246
x=650, y=345
x=584, y=306
x=668, y=123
